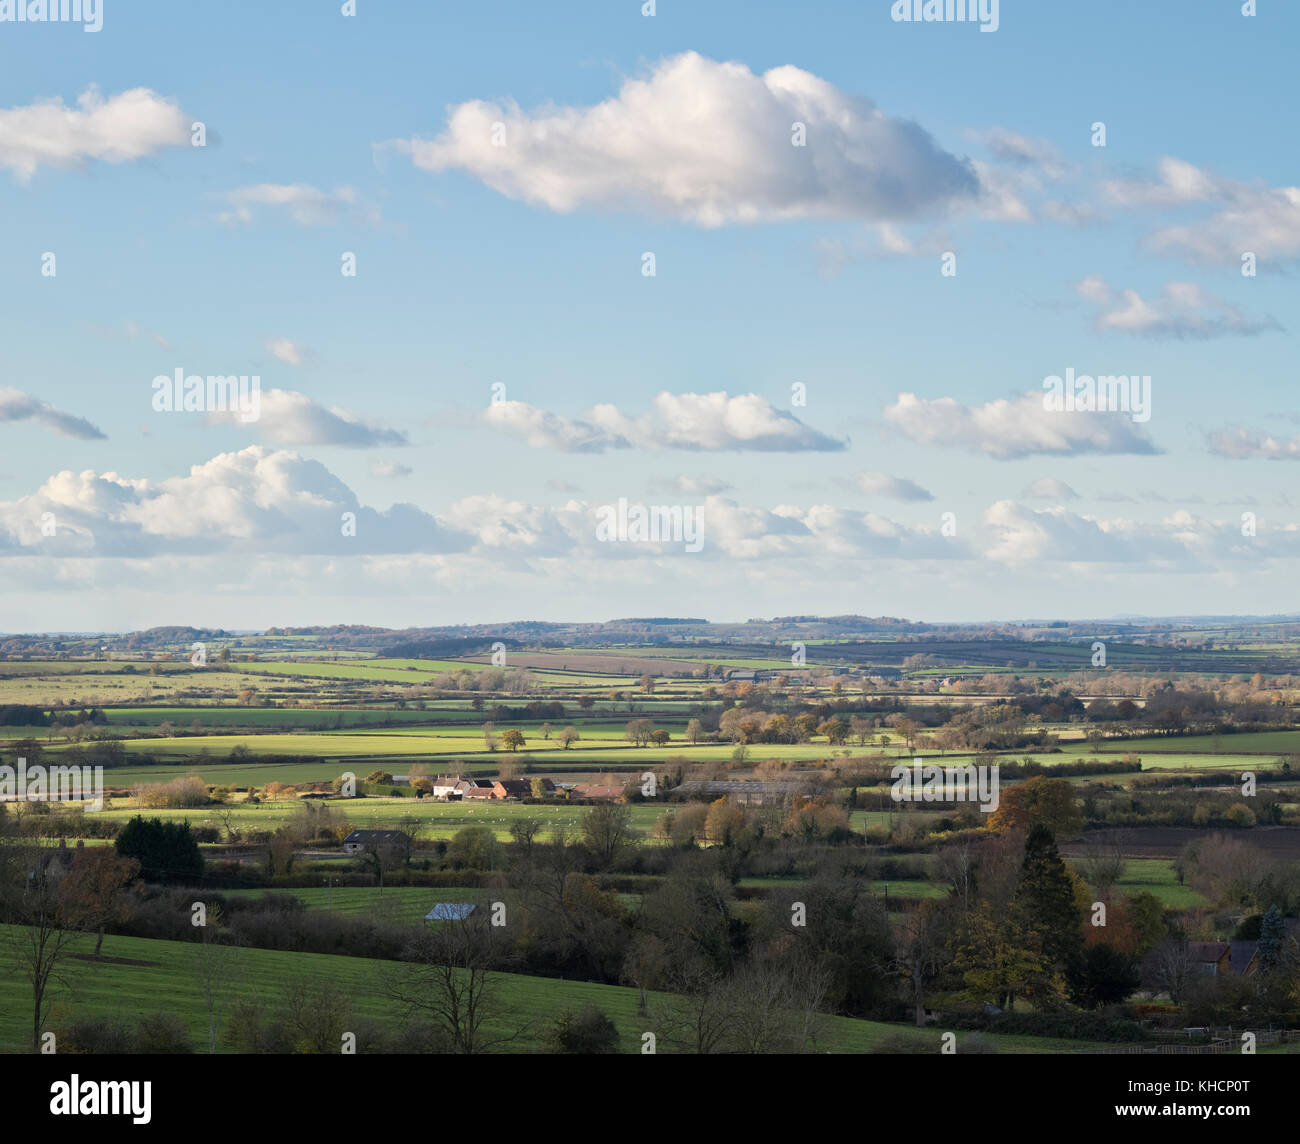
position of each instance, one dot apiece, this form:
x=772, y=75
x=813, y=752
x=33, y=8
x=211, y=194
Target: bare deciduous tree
x=921, y=942
x=40, y=934
x=606, y=829
x=214, y=965
x=453, y=984
x=92, y=890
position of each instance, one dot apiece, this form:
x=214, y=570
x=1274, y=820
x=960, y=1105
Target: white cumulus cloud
x=1007, y=429
x=254, y=501
x=710, y=142
x=117, y=129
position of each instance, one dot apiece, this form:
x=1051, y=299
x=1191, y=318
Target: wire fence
x=1195, y=1042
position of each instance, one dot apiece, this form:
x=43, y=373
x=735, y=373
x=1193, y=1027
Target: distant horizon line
x=1184, y=618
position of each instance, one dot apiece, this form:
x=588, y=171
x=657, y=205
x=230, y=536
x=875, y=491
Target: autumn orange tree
x=1039, y=801
x=815, y=818
x=1134, y=924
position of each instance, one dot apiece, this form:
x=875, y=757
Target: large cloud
x=250, y=502
x=273, y=522
x=710, y=142
x=259, y=503
x=1010, y=429
x=714, y=422
x=118, y=129
x=1180, y=542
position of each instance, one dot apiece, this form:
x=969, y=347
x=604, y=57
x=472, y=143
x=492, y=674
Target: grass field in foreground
x=170, y=983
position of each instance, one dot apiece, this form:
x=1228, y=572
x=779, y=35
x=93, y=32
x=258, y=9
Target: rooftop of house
x=376, y=836
x=1241, y=954
x=1207, y=950
x=450, y=912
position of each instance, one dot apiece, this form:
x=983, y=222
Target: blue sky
x=521, y=266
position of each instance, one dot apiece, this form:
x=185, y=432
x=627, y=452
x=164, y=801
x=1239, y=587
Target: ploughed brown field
x=1282, y=842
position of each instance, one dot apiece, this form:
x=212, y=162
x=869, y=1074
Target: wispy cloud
x=305, y=204
x=292, y=418
x=1252, y=218
x=897, y=488
x=1183, y=310
x=713, y=422
x=1240, y=444
x=18, y=406
x=1048, y=488
x=689, y=486
x=287, y=351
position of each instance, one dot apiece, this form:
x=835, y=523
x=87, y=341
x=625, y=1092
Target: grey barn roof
x=450, y=912
x=376, y=836
x=1240, y=955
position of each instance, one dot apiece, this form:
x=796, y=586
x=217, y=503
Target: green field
x=461, y=741
x=97, y=688
x=434, y=819
x=306, y=717
x=406, y=905
x=1170, y=760
x=1156, y=876
x=169, y=982
x=1153, y=875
